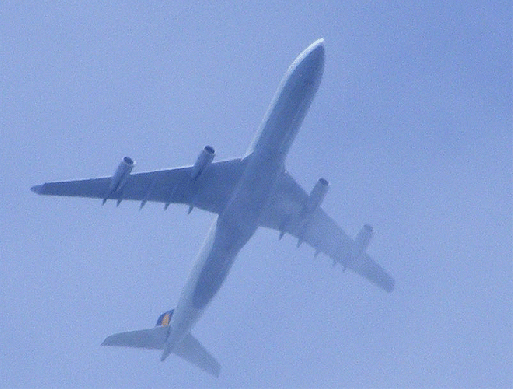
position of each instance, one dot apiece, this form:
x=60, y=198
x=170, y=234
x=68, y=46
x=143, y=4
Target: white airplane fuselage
x=265, y=159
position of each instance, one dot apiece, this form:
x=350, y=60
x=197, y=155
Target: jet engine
x=120, y=176
x=361, y=241
x=313, y=202
x=204, y=159
x=316, y=196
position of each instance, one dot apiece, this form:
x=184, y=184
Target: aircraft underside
x=246, y=193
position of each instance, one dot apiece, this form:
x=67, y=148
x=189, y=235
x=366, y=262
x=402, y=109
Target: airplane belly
x=213, y=264
x=228, y=234
x=226, y=244
x=239, y=220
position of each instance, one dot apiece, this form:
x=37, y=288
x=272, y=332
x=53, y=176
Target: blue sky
x=412, y=126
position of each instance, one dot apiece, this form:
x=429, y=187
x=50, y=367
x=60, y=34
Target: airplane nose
x=310, y=63
x=317, y=50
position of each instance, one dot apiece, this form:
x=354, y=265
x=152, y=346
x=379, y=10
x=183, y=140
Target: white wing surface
x=210, y=191
x=284, y=214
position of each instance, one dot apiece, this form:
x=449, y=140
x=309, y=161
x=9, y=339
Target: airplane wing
x=284, y=214
x=210, y=191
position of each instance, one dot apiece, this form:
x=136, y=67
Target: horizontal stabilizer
x=192, y=351
x=152, y=339
x=189, y=349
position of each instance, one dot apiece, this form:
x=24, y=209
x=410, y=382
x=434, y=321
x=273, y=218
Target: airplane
x=244, y=194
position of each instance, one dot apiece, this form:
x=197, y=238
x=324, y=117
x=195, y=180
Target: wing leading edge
x=319, y=231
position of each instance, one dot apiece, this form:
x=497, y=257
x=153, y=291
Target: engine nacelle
x=204, y=159
x=316, y=196
x=121, y=175
x=362, y=241
x=313, y=202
